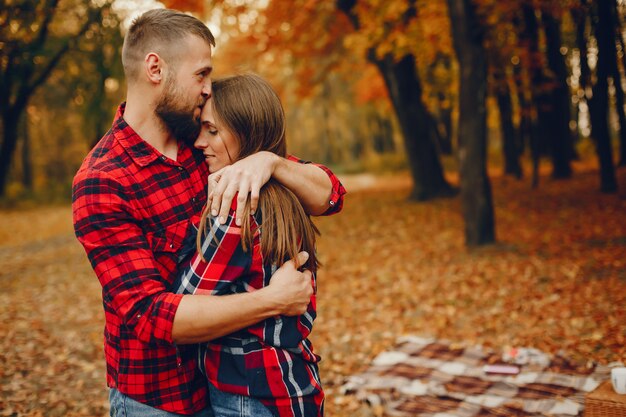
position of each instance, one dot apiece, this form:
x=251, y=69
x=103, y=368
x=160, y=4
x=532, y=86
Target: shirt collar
x=137, y=148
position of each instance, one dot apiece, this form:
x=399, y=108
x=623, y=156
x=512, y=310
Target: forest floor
x=556, y=281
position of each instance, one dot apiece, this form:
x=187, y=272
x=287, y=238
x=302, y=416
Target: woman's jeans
x=233, y=405
x=124, y=406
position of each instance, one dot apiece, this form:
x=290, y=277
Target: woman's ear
x=154, y=67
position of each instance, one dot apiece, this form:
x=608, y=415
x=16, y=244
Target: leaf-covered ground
x=556, y=280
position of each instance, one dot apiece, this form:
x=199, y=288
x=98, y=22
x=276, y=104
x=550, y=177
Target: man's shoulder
x=106, y=157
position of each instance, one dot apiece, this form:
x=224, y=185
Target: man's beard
x=180, y=122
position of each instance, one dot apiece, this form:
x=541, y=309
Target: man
x=132, y=201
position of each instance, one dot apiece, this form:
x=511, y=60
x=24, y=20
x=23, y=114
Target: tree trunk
x=510, y=146
x=445, y=124
x=476, y=197
x=599, y=103
x=27, y=164
x=558, y=114
x=525, y=111
x=9, y=142
x=617, y=82
x=417, y=126
x=382, y=134
x=581, y=17
x=530, y=36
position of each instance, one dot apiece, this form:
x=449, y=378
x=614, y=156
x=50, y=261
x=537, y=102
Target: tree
x=510, y=137
x=33, y=44
x=580, y=16
x=314, y=37
x=418, y=127
x=617, y=83
x=502, y=53
x=557, y=112
x=531, y=86
x=476, y=200
x=599, y=104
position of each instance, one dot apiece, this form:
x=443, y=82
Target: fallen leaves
x=555, y=281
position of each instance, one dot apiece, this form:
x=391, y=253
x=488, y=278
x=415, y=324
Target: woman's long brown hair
x=247, y=106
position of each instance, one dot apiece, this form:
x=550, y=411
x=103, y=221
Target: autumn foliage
x=556, y=281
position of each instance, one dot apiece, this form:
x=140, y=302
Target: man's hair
x=161, y=31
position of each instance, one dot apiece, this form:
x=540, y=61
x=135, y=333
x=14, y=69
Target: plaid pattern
x=272, y=361
x=426, y=378
x=132, y=207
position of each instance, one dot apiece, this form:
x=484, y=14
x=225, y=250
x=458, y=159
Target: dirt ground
x=556, y=280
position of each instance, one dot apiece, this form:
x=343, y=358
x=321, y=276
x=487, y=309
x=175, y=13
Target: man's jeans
x=124, y=406
x=232, y=405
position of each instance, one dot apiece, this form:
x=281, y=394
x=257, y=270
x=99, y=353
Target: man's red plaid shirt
x=132, y=207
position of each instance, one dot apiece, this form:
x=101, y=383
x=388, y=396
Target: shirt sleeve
x=122, y=258
x=337, y=189
x=225, y=260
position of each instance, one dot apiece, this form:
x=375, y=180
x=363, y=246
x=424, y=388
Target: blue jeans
x=124, y=406
x=233, y=405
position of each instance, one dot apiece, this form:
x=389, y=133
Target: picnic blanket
x=424, y=377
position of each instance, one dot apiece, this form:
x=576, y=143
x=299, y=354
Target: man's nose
x=207, y=89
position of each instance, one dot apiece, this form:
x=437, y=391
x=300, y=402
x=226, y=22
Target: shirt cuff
x=155, y=325
x=335, y=201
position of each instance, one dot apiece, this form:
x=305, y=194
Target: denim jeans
x=124, y=406
x=233, y=405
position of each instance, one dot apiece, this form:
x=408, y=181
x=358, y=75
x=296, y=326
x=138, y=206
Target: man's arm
x=134, y=290
x=317, y=188
x=206, y=317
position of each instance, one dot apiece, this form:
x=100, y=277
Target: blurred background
x=482, y=143
x=367, y=85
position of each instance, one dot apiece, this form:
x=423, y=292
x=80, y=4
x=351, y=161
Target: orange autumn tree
x=317, y=84
x=315, y=40
x=392, y=36
x=372, y=30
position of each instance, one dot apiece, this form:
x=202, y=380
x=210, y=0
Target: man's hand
x=291, y=290
x=244, y=177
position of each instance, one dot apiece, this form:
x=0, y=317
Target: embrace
x=196, y=222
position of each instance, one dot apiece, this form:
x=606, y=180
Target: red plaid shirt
x=273, y=360
x=132, y=207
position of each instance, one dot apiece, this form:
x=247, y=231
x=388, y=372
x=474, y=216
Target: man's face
x=186, y=89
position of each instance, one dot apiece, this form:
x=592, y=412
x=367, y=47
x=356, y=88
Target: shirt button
x=193, y=199
x=163, y=157
x=180, y=168
x=171, y=245
x=332, y=203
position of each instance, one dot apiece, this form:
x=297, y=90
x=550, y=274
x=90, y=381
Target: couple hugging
x=196, y=223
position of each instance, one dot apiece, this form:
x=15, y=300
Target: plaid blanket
x=432, y=378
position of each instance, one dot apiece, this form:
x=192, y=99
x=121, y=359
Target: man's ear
x=154, y=67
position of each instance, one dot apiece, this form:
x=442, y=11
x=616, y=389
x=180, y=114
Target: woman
x=268, y=369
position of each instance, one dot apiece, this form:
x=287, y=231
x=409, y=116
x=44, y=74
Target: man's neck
x=140, y=116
